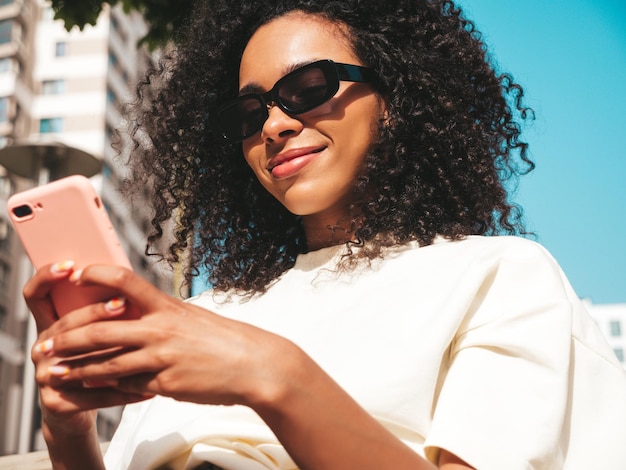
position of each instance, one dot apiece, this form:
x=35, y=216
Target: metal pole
x=28, y=395
x=25, y=439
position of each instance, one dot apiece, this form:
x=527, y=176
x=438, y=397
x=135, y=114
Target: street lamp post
x=43, y=161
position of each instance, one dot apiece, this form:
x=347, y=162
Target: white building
x=611, y=318
x=63, y=87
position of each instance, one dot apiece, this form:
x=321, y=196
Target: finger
x=36, y=292
x=96, y=339
x=72, y=400
x=50, y=372
x=107, y=367
x=97, y=312
x=124, y=333
x=133, y=373
x=137, y=290
x=63, y=395
x=146, y=383
x=141, y=384
x=106, y=311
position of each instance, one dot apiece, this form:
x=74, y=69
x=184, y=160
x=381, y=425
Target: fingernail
x=62, y=267
x=45, y=346
x=99, y=383
x=75, y=276
x=115, y=305
x=59, y=370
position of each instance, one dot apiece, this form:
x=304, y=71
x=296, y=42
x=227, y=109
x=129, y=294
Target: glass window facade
x=49, y=125
x=6, y=31
x=52, y=87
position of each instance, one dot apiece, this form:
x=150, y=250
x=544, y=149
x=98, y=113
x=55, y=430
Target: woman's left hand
x=175, y=349
x=167, y=347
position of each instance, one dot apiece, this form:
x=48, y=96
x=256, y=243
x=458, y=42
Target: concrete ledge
x=31, y=461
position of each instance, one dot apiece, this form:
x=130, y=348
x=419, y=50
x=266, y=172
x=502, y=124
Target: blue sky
x=570, y=55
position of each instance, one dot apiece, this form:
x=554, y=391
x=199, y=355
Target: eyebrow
x=254, y=87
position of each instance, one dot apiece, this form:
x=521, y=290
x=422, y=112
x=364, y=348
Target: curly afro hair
x=440, y=165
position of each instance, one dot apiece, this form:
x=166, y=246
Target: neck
x=322, y=234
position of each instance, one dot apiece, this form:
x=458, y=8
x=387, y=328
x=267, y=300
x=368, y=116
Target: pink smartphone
x=66, y=220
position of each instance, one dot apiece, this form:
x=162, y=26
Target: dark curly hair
x=439, y=165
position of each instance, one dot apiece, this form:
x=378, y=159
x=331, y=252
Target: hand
x=170, y=347
x=37, y=292
x=176, y=349
x=66, y=406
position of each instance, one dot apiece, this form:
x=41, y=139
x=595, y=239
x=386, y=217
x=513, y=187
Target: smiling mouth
x=290, y=156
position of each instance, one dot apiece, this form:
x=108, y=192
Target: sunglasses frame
x=334, y=73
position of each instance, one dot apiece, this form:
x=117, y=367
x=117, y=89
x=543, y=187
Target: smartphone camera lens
x=22, y=211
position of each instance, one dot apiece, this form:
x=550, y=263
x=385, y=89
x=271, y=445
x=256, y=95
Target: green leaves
x=78, y=12
x=164, y=17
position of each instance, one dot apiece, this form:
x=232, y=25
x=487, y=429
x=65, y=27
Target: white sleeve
x=504, y=396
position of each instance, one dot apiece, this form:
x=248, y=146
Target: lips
x=290, y=162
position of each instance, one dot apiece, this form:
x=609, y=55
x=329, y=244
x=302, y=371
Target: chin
x=304, y=204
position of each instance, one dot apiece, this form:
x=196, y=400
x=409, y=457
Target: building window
x=49, y=125
x=615, y=328
x=111, y=96
x=52, y=87
x=48, y=14
x=6, y=187
x=5, y=275
x=3, y=318
x=9, y=64
x=619, y=352
x=6, y=64
x=5, y=233
x=4, y=109
x=6, y=30
x=112, y=59
x=115, y=26
x=60, y=49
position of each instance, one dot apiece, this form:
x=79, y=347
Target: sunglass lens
x=243, y=118
x=304, y=91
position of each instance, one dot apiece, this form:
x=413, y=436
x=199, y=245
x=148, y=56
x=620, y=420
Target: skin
x=332, y=139
x=141, y=347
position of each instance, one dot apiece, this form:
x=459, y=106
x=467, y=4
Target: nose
x=279, y=125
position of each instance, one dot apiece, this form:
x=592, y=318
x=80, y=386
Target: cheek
x=360, y=127
x=254, y=155
x=251, y=153
x=320, y=111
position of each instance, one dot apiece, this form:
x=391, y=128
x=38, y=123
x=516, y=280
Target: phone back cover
x=68, y=222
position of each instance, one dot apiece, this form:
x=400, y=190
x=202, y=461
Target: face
x=308, y=161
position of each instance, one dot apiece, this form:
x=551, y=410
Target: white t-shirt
x=478, y=346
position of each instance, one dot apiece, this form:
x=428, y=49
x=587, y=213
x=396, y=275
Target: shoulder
x=497, y=264
x=519, y=260
x=496, y=245
x=504, y=251
x=476, y=249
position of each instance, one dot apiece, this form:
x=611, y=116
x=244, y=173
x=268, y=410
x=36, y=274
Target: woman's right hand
x=68, y=408
x=37, y=295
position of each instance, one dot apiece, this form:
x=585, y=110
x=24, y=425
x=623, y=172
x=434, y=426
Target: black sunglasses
x=297, y=92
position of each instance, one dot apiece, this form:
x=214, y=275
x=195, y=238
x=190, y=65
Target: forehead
x=294, y=38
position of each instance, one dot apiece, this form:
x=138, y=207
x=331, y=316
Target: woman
x=336, y=166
